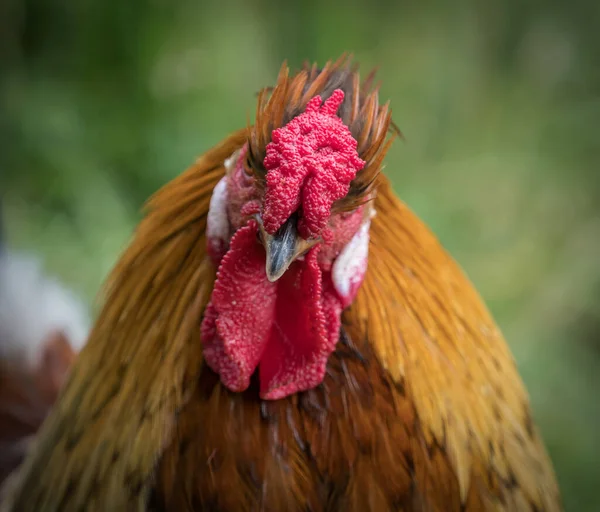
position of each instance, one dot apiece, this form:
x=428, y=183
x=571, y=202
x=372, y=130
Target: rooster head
x=288, y=227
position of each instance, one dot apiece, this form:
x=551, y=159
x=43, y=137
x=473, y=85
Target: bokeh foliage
x=103, y=102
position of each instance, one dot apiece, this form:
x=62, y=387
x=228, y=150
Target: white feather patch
x=32, y=306
x=217, y=222
x=350, y=266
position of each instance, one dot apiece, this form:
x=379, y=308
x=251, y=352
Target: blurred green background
x=102, y=102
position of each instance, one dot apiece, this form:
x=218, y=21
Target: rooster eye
x=247, y=166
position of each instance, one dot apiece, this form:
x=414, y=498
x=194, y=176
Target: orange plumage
x=421, y=407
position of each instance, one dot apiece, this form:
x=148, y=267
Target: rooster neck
x=421, y=407
x=319, y=446
x=140, y=363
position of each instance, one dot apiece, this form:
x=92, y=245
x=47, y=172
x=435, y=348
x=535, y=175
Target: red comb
x=310, y=163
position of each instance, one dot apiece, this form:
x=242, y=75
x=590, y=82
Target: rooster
x=42, y=327
x=283, y=334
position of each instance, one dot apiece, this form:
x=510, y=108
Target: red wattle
x=305, y=331
x=287, y=329
x=238, y=319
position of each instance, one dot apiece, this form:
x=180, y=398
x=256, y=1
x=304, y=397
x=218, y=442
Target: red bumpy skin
x=310, y=163
x=286, y=329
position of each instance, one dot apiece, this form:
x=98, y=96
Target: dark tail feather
x=42, y=327
x=27, y=394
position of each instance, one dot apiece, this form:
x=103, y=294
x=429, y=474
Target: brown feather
x=421, y=408
x=27, y=392
x=99, y=446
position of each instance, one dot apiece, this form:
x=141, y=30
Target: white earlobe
x=350, y=266
x=217, y=223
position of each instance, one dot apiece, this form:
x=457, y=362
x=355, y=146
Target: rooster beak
x=283, y=247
